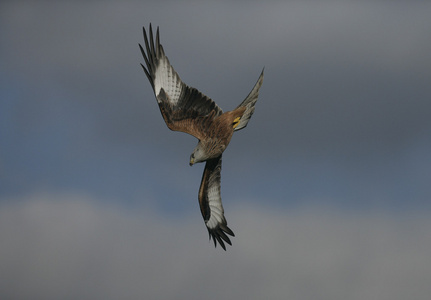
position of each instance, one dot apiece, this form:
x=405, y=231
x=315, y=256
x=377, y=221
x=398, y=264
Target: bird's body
x=186, y=109
x=218, y=135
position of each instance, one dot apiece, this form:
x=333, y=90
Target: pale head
x=198, y=155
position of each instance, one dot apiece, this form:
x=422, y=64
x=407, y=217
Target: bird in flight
x=186, y=109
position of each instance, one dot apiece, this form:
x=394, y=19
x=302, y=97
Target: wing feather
x=211, y=205
x=183, y=108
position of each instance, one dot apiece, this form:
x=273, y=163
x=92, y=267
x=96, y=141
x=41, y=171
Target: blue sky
x=341, y=130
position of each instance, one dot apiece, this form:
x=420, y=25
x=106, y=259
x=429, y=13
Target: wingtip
x=142, y=49
x=219, y=235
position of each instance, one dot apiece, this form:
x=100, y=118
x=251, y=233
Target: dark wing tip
x=218, y=234
x=151, y=52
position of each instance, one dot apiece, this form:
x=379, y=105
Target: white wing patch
x=211, y=205
x=165, y=77
x=214, y=202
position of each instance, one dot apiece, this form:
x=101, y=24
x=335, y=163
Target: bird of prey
x=186, y=109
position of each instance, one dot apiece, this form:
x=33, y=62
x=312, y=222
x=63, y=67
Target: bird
x=186, y=109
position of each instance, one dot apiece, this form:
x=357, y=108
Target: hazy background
x=327, y=189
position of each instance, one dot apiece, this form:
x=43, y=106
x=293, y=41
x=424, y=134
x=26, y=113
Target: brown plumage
x=186, y=109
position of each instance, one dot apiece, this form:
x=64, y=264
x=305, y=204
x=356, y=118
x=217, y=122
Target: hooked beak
x=192, y=160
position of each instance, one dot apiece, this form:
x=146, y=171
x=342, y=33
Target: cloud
x=71, y=246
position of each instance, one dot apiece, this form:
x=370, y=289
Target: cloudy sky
x=327, y=189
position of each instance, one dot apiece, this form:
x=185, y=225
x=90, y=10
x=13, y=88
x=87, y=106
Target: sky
x=327, y=189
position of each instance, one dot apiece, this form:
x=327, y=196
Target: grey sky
x=77, y=247
x=346, y=93
x=331, y=176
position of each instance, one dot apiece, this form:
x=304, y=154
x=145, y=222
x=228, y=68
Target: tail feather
x=249, y=103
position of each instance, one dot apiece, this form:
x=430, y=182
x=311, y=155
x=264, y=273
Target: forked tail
x=249, y=103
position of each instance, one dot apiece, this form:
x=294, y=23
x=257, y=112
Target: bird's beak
x=192, y=159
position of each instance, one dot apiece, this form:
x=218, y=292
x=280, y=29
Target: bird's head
x=198, y=155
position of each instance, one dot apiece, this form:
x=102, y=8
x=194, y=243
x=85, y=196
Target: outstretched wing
x=249, y=103
x=183, y=108
x=210, y=203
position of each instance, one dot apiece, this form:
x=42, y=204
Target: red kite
x=186, y=109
